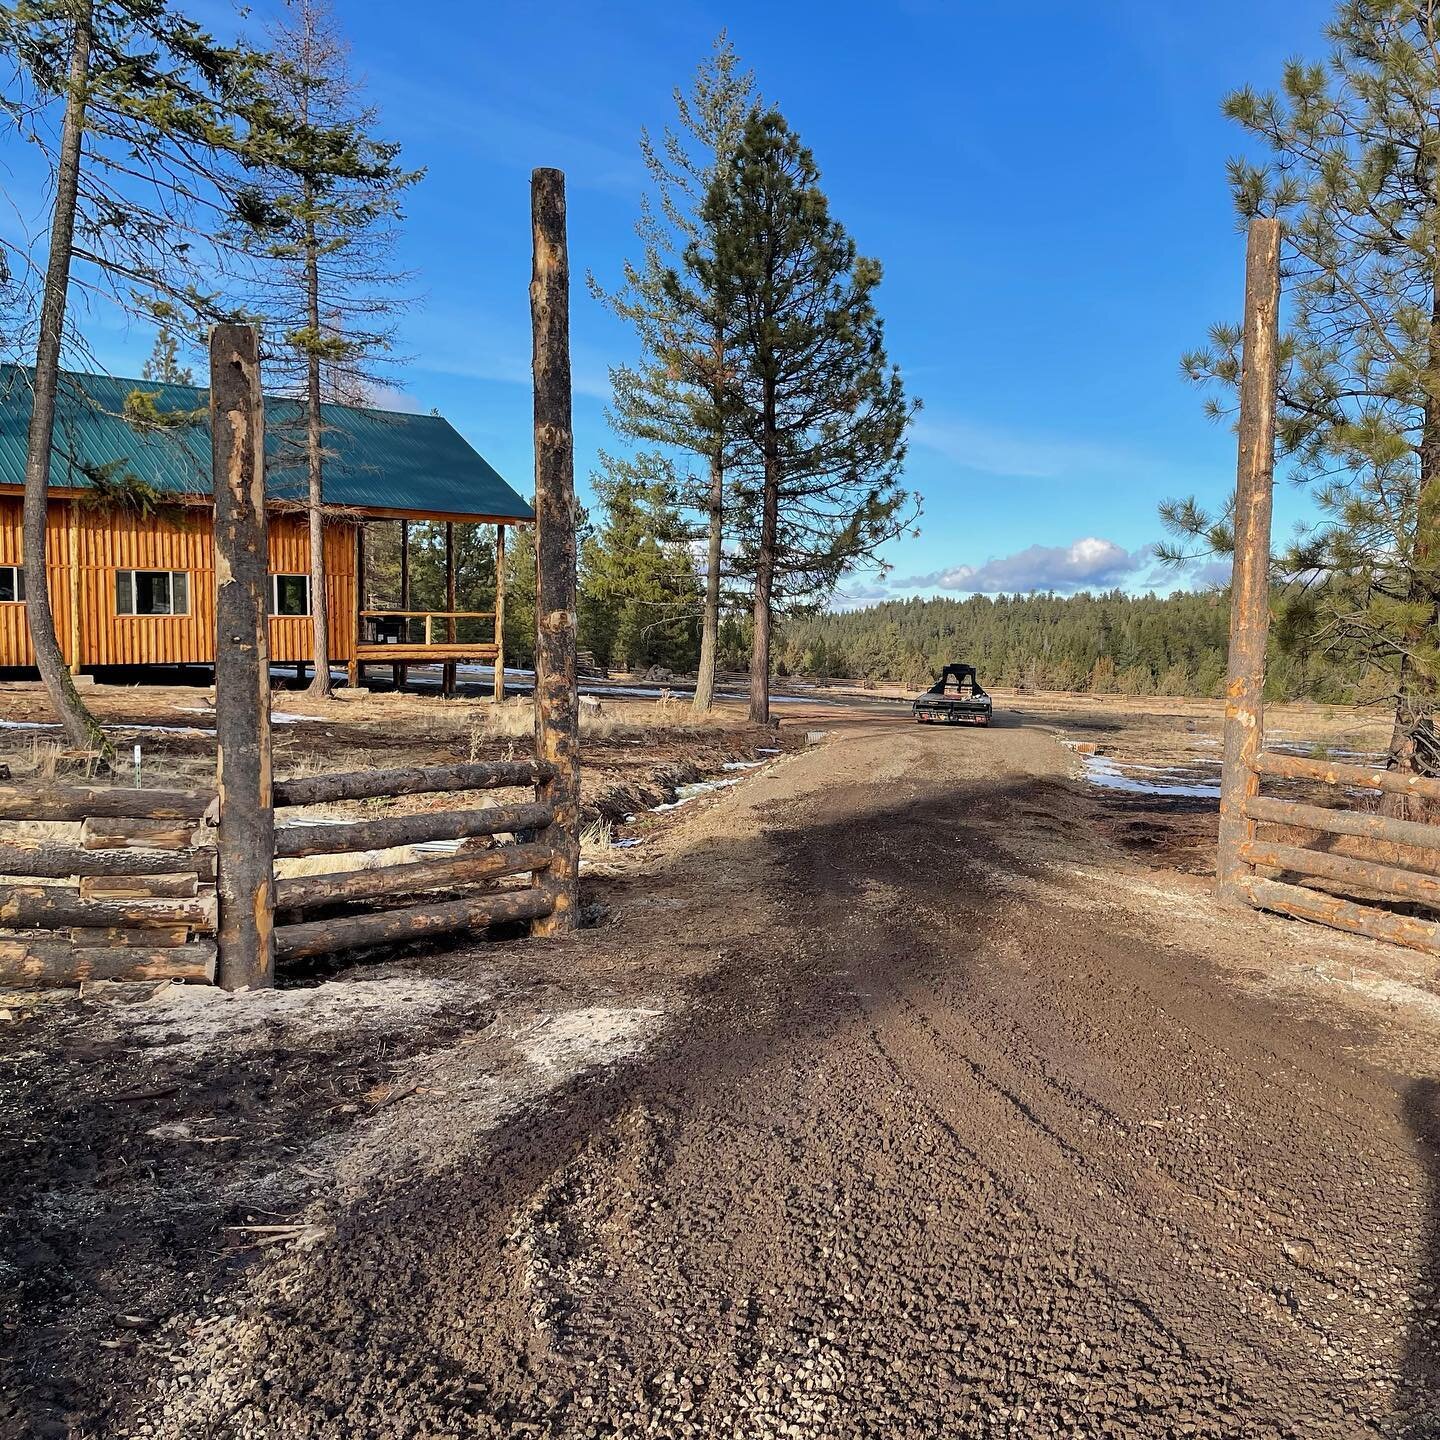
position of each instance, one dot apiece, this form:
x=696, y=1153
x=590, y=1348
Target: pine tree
x=325, y=214
x=677, y=398
x=164, y=365
x=1354, y=171
x=820, y=412
x=142, y=117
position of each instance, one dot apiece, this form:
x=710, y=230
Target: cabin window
x=12, y=585
x=289, y=594
x=152, y=592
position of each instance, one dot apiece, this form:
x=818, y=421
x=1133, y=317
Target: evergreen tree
x=820, y=412
x=164, y=365
x=678, y=397
x=142, y=118
x=325, y=214
x=1354, y=171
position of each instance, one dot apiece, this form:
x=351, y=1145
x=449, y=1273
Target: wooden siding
x=86, y=546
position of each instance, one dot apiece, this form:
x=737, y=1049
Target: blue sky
x=1043, y=183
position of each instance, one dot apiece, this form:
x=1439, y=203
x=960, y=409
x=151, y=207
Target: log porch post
x=499, y=613
x=246, y=848
x=557, y=707
x=400, y=673
x=447, y=671
x=1250, y=582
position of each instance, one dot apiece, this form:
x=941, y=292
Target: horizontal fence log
x=396, y=830
x=107, y=833
x=47, y=860
x=1359, y=777
x=139, y=887
x=1302, y=904
x=427, y=614
x=413, y=922
x=51, y=907
x=57, y=962
x=466, y=868
x=416, y=780
x=1386, y=879
x=118, y=935
x=81, y=802
x=1343, y=822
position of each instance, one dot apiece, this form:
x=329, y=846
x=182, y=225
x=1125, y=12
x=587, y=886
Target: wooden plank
x=1386, y=879
x=1343, y=822
x=81, y=802
x=158, y=937
x=103, y=833
x=179, y=886
x=557, y=705
x=1302, y=904
x=1250, y=582
x=58, y=962
x=428, y=614
x=1355, y=777
x=394, y=830
x=44, y=858
x=452, y=872
x=242, y=661
x=414, y=922
x=53, y=907
x=415, y=780
x=425, y=654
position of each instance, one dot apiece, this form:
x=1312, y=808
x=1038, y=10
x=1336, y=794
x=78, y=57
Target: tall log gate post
x=1250, y=581
x=557, y=703
x=245, y=881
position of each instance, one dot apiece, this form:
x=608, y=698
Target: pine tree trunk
x=80, y=726
x=319, y=606
x=710, y=624
x=765, y=567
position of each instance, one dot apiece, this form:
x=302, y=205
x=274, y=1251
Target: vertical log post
x=1250, y=582
x=557, y=704
x=246, y=858
x=499, y=613
x=401, y=673
x=357, y=669
x=447, y=671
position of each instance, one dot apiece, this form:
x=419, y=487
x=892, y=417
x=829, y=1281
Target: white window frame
x=275, y=578
x=18, y=587
x=170, y=614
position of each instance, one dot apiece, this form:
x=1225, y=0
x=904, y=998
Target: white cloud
x=994, y=451
x=1089, y=563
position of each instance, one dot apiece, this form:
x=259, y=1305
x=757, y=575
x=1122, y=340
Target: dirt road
x=933, y=1120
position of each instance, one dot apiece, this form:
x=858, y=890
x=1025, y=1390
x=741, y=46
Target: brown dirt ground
x=912, y=1087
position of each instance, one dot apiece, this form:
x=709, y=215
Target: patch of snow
x=1107, y=774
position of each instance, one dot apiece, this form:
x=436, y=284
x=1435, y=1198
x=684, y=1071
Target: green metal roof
x=375, y=459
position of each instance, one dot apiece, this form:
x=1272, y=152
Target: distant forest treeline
x=1108, y=644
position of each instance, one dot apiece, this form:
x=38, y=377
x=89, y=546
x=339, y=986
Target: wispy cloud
x=1089, y=563
x=993, y=450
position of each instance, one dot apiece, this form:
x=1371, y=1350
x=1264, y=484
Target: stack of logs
x=137, y=895
x=135, y=899
x=1410, y=873
x=465, y=869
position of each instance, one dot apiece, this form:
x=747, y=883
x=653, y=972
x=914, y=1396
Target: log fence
x=189, y=884
x=1292, y=875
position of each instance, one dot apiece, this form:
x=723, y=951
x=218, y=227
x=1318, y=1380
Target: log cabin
x=130, y=546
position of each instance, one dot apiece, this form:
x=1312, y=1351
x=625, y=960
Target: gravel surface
x=891, y=1097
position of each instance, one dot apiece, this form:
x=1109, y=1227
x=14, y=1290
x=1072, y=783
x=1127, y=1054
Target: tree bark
x=765, y=565
x=710, y=622
x=557, y=701
x=314, y=440
x=80, y=726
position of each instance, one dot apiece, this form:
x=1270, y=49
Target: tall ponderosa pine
x=677, y=397
x=325, y=216
x=817, y=408
x=1354, y=171
x=152, y=113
